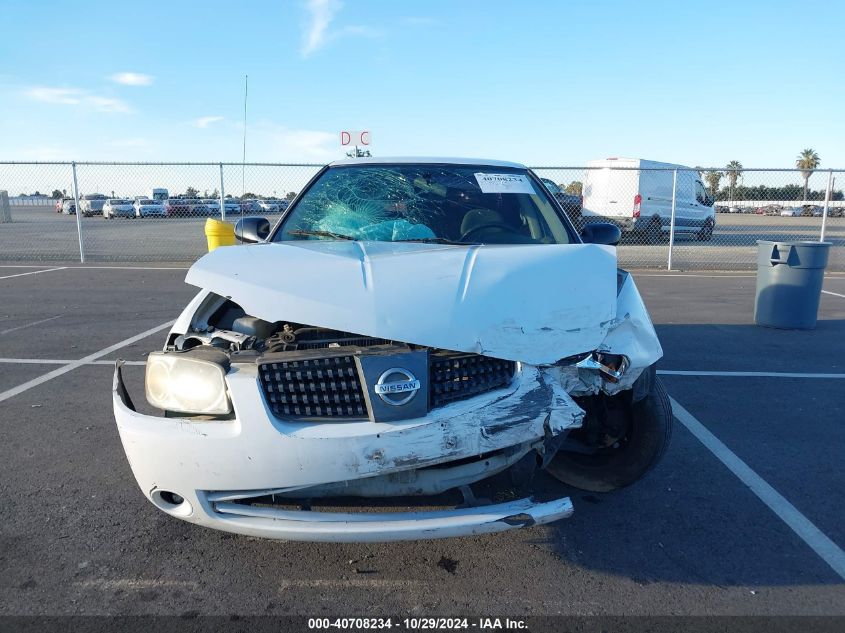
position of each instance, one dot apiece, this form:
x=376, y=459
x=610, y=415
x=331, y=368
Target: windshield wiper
x=435, y=240
x=337, y=236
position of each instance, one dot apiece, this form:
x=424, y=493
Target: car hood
x=533, y=303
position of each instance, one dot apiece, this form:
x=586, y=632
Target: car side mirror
x=251, y=230
x=601, y=233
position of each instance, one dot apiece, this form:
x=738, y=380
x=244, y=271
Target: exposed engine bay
x=230, y=329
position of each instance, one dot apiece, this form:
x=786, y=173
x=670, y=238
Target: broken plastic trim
x=611, y=366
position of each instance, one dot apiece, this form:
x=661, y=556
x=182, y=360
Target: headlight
x=177, y=382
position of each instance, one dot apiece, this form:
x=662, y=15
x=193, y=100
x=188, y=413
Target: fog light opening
x=171, y=497
x=171, y=502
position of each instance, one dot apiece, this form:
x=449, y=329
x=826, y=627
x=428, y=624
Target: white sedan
x=270, y=206
x=115, y=207
x=147, y=207
x=412, y=326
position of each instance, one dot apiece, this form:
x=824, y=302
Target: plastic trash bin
x=219, y=234
x=789, y=283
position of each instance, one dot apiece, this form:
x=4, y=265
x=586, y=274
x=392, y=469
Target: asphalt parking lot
x=743, y=516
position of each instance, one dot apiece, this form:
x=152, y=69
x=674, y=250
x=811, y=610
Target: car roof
x=434, y=160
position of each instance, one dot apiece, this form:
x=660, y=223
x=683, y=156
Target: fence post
x=222, y=197
x=826, y=203
x=672, y=219
x=78, y=212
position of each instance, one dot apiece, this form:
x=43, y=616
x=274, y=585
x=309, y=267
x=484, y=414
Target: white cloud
x=205, y=121
x=308, y=143
x=321, y=13
x=78, y=97
x=132, y=79
x=317, y=33
x=107, y=104
x=67, y=96
x=276, y=143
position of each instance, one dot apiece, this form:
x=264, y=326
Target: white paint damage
x=533, y=304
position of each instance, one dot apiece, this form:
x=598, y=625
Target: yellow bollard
x=219, y=234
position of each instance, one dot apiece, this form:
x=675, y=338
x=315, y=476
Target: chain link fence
x=681, y=219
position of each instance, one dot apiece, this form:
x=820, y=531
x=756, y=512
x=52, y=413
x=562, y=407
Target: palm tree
x=734, y=169
x=713, y=178
x=807, y=161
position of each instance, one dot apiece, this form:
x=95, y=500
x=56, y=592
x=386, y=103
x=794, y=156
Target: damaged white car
x=408, y=327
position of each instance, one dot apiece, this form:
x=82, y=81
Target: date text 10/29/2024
x=418, y=624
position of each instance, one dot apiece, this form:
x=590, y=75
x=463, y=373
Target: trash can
x=789, y=283
x=219, y=234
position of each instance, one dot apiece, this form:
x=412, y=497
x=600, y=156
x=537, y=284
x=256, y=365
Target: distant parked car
x=811, y=211
x=790, y=212
x=197, y=207
x=69, y=206
x=232, y=206
x=269, y=205
x=60, y=203
x=734, y=209
x=772, y=209
x=177, y=207
x=118, y=207
x=92, y=204
x=146, y=207
x=250, y=206
x=213, y=206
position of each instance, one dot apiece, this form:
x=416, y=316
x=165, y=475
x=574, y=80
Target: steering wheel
x=486, y=225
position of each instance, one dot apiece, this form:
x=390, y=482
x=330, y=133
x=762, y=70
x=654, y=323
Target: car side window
x=700, y=193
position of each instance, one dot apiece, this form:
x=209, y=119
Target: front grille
x=316, y=387
x=330, y=386
x=454, y=376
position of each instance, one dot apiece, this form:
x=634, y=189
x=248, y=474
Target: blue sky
x=551, y=83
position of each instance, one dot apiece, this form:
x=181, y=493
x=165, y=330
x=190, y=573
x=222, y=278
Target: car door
x=697, y=203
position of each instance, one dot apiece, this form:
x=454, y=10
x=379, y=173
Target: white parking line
x=684, y=275
x=55, y=361
x=747, y=374
x=829, y=551
x=131, y=584
x=835, y=294
x=86, y=267
x=14, y=391
x=347, y=583
x=34, y=272
x=25, y=325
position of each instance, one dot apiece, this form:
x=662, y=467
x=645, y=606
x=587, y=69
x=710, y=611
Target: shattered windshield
x=463, y=204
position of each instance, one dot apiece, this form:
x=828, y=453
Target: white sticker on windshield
x=504, y=183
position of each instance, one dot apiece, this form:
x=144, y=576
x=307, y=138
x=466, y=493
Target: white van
x=636, y=194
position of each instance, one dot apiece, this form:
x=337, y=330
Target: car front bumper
x=214, y=465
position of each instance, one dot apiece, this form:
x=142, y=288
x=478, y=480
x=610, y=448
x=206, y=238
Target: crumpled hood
x=533, y=303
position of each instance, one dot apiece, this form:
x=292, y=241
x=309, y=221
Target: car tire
x=706, y=233
x=646, y=441
x=652, y=233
